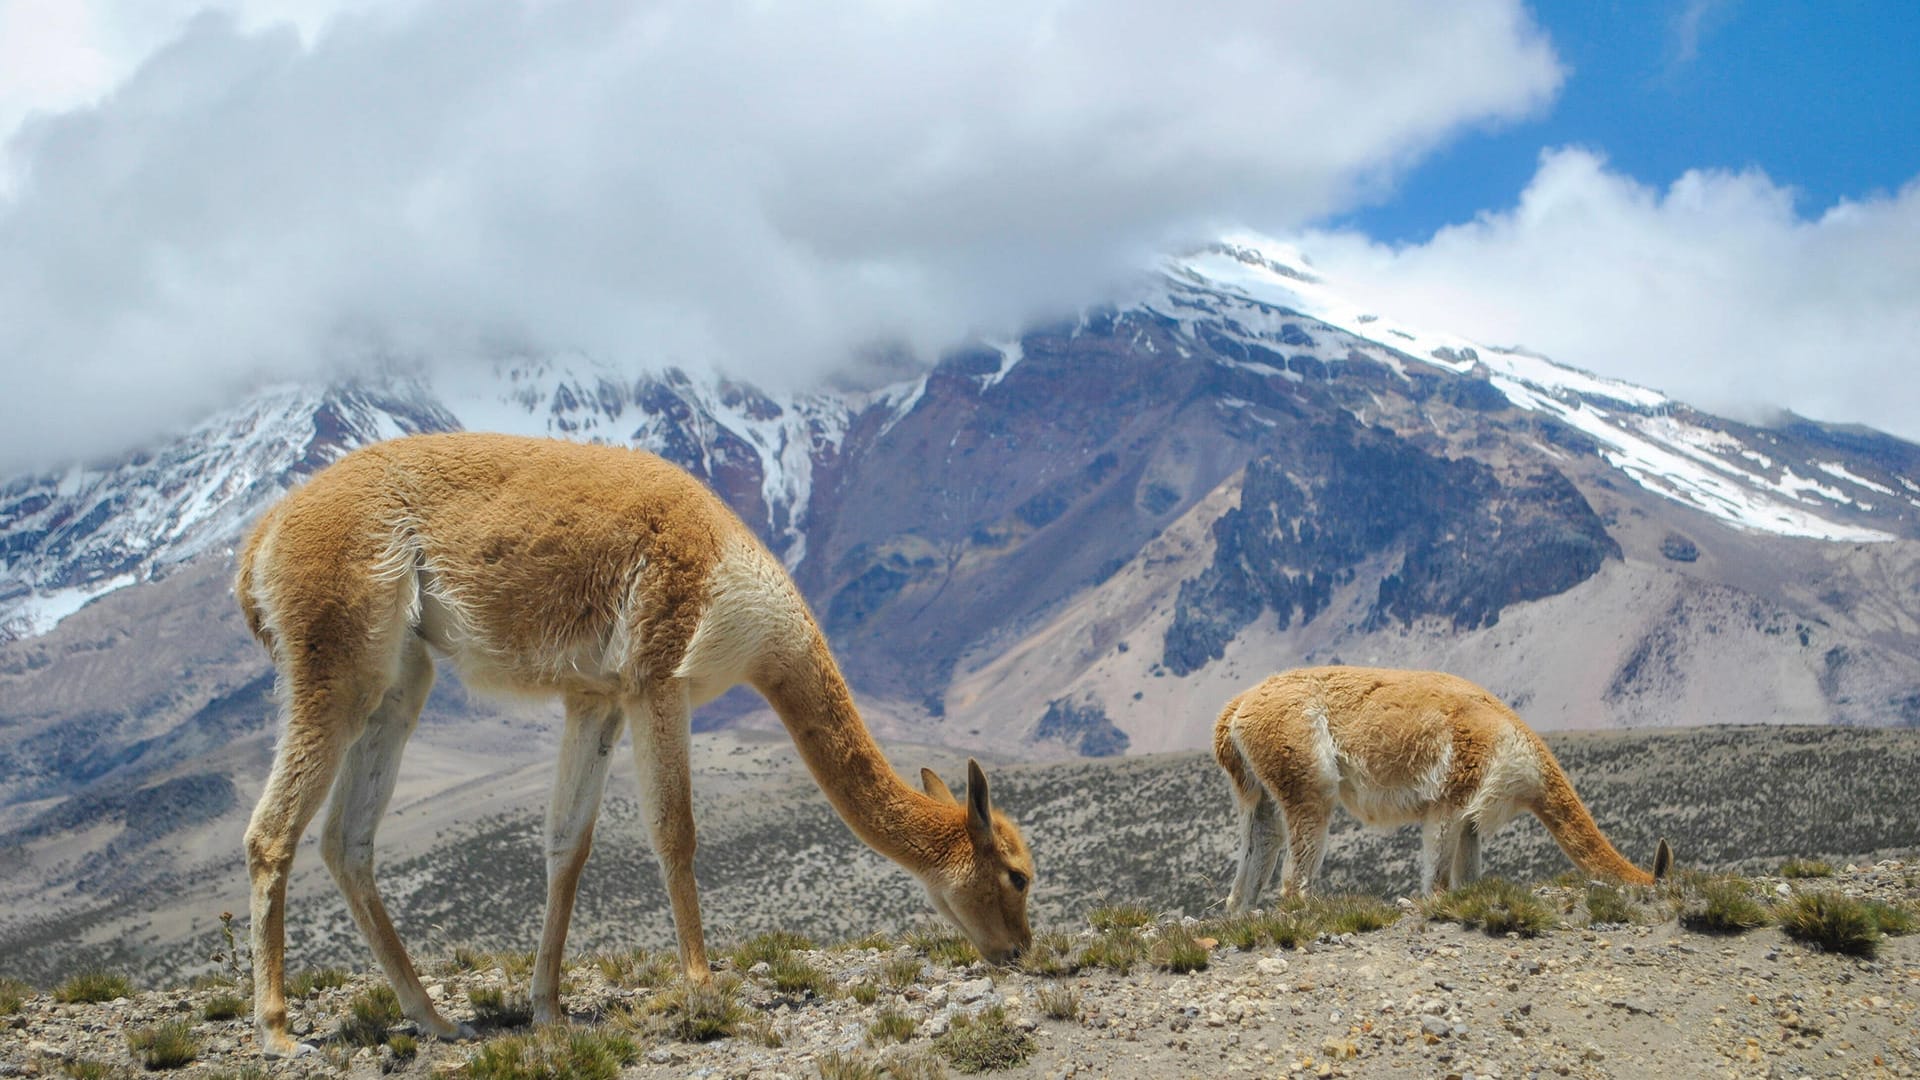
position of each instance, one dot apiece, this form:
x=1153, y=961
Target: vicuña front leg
x=593, y=728
x=661, y=725
x=360, y=797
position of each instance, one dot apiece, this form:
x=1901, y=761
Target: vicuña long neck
x=812, y=700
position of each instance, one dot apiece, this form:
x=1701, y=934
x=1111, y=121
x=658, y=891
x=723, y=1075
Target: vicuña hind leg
x=1307, y=822
x=1442, y=858
x=1263, y=832
x=360, y=796
x=593, y=728
x=1466, y=854
x=661, y=725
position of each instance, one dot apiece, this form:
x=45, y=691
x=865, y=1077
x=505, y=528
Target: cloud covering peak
x=764, y=188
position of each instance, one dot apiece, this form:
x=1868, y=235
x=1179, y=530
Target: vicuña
x=608, y=577
x=1394, y=748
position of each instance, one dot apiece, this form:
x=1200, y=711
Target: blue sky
x=1720, y=200
x=1822, y=97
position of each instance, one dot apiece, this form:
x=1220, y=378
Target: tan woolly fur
x=1394, y=748
x=604, y=576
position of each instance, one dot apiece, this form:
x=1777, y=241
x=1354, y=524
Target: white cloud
x=1715, y=290
x=761, y=186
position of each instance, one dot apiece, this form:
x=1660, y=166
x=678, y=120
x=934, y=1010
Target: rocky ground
x=1420, y=997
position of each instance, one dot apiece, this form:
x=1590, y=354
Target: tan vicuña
x=607, y=577
x=1394, y=748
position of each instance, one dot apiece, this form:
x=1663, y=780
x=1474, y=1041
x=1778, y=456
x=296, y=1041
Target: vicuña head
x=1393, y=747
x=604, y=576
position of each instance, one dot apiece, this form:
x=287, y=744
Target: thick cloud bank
x=1715, y=290
x=760, y=187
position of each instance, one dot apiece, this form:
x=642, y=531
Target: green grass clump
x=514, y=964
x=89, y=1069
x=13, y=996
x=1350, y=913
x=943, y=946
x=225, y=1007
x=866, y=993
x=405, y=1047
x=92, y=987
x=1722, y=905
x=875, y=940
x=465, y=960
x=1059, y=1002
x=890, y=1025
x=767, y=948
x=1050, y=956
x=1178, y=951
x=497, y=1008
x=984, y=1043
x=313, y=980
x=834, y=1065
x=1606, y=904
x=1117, y=950
x=636, y=969
x=554, y=1053
x=1805, y=868
x=167, y=1046
x=903, y=971
x=1120, y=917
x=372, y=1012
x=1494, y=904
x=694, y=1012
x=1832, y=922
x=791, y=974
x=1893, y=920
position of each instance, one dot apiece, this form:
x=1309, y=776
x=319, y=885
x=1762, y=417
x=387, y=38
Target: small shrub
x=890, y=1025
x=1178, y=951
x=1606, y=904
x=225, y=1007
x=372, y=1012
x=553, y=1053
x=1833, y=922
x=313, y=980
x=167, y=1046
x=984, y=1043
x=92, y=987
x=1805, y=868
x=1119, y=917
x=767, y=948
x=1722, y=905
x=903, y=971
x=1496, y=905
x=943, y=947
x=1059, y=1002
x=13, y=996
x=494, y=1007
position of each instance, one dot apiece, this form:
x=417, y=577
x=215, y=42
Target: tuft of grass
x=768, y=948
x=494, y=1007
x=13, y=996
x=1805, y=868
x=1833, y=922
x=875, y=940
x=1606, y=904
x=693, y=1012
x=636, y=969
x=986, y=1042
x=792, y=975
x=1178, y=951
x=1350, y=913
x=890, y=1025
x=1893, y=920
x=512, y=963
x=1117, y=950
x=866, y=993
x=225, y=1007
x=166, y=1046
x=245, y=1072
x=1050, y=956
x=835, y=1065
x=903, y=971
x=552, y=1053
x=88, y=1069
x=1494, y=904
x=1120, y=917
x=405, y=1047
x=465, y=960
x=371, y=1013
x=1722, y=904
x=1059, y=1002
x=313, y=980
x=942, y=946
x=92, y=987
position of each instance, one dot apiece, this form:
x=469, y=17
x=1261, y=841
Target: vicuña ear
x=1662, y=860
x=979, y=806
x=936, y=788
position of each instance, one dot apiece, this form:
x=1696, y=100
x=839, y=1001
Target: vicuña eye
x=1019, y=880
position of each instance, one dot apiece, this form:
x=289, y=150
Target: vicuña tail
x=1574, y=829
